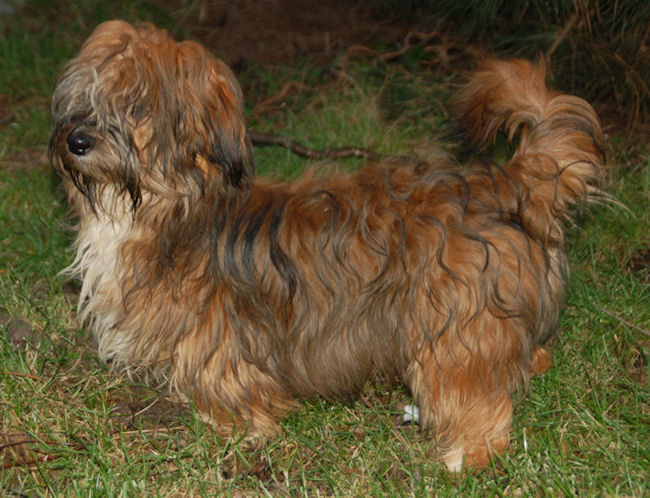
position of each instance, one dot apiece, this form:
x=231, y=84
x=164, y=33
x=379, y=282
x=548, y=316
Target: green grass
x=70, y=427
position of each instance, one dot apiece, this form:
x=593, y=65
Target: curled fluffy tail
x=558, y=163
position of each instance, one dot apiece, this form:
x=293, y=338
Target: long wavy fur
x=245, y=295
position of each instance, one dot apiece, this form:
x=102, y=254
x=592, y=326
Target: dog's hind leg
x=540, y=361
x=467, y=420
x=462, y=382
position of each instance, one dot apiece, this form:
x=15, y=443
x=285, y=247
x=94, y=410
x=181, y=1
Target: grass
x=70, y=427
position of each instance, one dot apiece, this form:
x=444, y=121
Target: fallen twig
x=561, y=35
x=281, y=95
x=625, y=322
x=20, y=374
x=31, y=461
x=265, y=139
x=418, y=36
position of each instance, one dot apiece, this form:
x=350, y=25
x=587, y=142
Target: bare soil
x=284, y=31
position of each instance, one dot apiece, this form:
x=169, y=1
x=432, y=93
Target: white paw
x=411, y=414
x=454, y=460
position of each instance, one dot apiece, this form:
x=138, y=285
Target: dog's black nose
x=79, y=143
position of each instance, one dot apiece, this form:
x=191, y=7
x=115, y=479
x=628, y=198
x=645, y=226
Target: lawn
x=68, y=426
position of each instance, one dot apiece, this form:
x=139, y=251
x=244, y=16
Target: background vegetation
x=70, y=427
x=597, y=48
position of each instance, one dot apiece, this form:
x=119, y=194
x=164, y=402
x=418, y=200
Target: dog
x=244, y=295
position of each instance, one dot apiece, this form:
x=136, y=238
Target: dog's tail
x=558, y=163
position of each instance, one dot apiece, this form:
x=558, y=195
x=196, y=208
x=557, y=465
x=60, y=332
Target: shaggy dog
x=245, y=295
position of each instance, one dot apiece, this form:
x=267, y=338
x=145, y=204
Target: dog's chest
x=97, y=264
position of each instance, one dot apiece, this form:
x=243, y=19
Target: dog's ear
x=211, y=115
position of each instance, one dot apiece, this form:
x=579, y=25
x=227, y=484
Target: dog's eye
x=79, y=143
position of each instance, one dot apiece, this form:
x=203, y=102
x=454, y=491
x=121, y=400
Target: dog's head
x=138, y=114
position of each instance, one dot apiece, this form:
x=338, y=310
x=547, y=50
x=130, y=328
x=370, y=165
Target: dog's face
x=140, y=115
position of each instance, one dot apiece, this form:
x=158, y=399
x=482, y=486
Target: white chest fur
x=97, y=264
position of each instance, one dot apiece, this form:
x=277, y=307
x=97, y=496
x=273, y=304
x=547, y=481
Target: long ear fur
x=210, y=110
x=196, y=113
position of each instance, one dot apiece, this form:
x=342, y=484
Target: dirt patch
x=19, y=331
x=136, y=405
x=639, y=264
x=284, y=31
